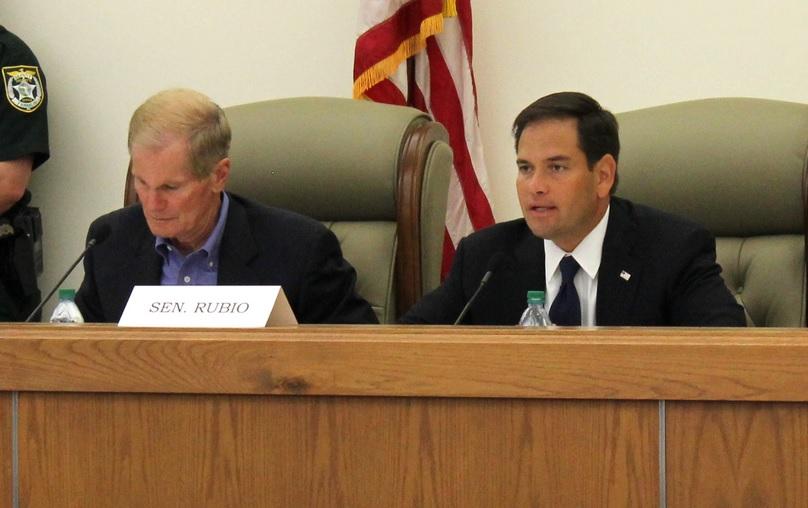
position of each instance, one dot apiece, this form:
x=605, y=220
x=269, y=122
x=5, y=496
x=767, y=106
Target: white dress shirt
x=588, y=255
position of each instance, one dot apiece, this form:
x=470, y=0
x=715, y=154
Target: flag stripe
x=417, y=99
x=457, y=215
x=464, y=17
x=448, y=110
x=387, y=92
x=457, y=61
x=448, y=254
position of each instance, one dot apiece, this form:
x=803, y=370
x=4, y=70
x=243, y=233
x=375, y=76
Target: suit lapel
x=503, y=300
x=529, y=257
x=237, y=249
x=620, y=268
x=145, y=267
x=142, y=268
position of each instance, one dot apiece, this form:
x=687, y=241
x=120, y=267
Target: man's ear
x=220, y=174
x=606, y=171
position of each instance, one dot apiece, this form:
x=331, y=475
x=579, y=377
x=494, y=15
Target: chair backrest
x=376, y=174
x=737, y=166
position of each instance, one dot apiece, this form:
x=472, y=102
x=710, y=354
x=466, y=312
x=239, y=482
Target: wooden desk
x=403, y=416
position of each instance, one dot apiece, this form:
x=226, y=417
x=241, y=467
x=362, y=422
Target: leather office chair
x=377, y=175
x=737, y=166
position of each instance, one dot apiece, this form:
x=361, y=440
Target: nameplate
x=207, y=307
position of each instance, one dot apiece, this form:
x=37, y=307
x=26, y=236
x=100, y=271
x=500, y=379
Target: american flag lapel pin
x=625, y=275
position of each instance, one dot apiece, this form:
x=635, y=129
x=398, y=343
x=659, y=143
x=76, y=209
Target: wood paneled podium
x=370, y=416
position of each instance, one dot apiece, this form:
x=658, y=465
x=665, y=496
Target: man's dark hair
x=597, y=127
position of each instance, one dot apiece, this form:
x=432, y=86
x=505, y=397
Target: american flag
x=419, y=53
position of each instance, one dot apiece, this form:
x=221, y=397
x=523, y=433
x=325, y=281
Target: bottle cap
x=67, y=294
x=534, y=297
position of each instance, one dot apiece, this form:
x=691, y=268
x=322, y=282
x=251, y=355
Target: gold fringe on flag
x=383, y=69
x=450, y=8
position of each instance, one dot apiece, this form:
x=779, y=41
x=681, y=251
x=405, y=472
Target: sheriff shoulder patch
x=23, y=87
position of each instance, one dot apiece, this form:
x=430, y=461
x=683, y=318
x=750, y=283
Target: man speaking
x=602, y=260
x=187, y=230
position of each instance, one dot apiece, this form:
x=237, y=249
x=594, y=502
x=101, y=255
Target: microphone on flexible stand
x=494, y=263
x=100, y=237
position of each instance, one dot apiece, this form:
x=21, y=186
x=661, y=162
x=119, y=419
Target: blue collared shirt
x=199, y=268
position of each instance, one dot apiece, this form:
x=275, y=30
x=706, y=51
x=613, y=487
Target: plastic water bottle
x=66, y=310
x=535, y=315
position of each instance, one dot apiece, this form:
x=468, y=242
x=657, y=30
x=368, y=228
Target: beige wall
x=629, y=54
x=102, y=58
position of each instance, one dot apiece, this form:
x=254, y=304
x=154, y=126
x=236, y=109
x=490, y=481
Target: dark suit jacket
x=674, y=280
x=260, y=246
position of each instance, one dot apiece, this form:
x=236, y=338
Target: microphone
x=494, y=263
x=100, y=237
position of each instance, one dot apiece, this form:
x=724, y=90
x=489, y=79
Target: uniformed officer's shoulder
x=23, y=80
x=13, y=44
x=9, y=39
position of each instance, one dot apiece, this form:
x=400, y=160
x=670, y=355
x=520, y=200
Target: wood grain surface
x=618, y=363
x=404, y=416
x=737, y=454
x=5, y=451
x=187, y=450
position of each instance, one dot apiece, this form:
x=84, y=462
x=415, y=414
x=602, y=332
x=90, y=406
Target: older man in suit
x=602, y=260
x=188, y=230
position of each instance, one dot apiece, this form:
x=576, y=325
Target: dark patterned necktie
x=566, y=308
